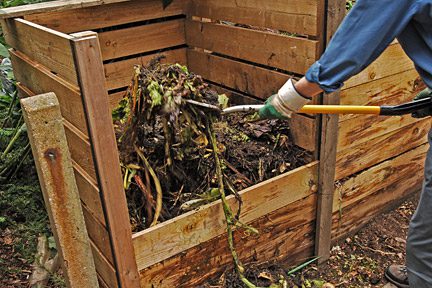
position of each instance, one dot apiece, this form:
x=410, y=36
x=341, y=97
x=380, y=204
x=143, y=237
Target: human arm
x=363, y=35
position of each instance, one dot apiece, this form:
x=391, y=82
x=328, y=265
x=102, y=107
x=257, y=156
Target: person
x=363, y=35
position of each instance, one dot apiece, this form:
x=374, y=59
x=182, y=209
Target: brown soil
x=357, y=261
x=14, y=270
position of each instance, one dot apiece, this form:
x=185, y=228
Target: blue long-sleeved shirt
x=364, y=34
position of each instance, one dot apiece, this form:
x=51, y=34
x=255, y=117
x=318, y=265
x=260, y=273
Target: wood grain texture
x=247, y=78
x=379, y=177
x=39, y=79
x=405, y=84
x=392, y=61
x=191, y=229
x=295, y=16
x=270, y=49
x=105, y=270
x=284, y=233
x=43, y=45
x=394, y=190
x=59, y=5
x=98, y=234
x=89, y=193
x=119, y=74
x=102, y=16
x=379, y=149
x=140, y=39
x=88, y=60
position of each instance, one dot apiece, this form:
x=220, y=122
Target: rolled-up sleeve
x=363, y=35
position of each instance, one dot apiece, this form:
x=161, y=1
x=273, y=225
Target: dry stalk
x=157, y=185
x=229, y=217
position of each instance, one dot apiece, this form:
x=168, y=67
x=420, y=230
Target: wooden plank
x=397, y=89
x=59, y=5
x=102, y=16
x=327, y=157
x=243, y=77
x=60, y=192
x=284, y=233
x=392, y=60
x=405, y=84
x=105, y=270
x=89, y=193
x=79, y=147
x=379, y=177
x=295, y=16
x=98, y=234
x=45, y=46
x=119, y=74
x=270, y=49
x=88, y=60
x=188, y=230
x=302, y=128
x=376, y=150
x=40, y=80
x=334, y=12
x=407, y=179
x=140, y=39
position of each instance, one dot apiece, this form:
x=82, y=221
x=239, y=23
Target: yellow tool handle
x=340, y=109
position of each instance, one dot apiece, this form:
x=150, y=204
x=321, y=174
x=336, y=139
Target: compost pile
x=168, y=146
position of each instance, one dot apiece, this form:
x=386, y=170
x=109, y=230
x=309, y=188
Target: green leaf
x=4, y=51
x=223, y=101
x=52, y=243
x=155, y=93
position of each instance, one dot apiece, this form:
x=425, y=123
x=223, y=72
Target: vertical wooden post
x=334, y=13
x=48, y=141
x=91, y=79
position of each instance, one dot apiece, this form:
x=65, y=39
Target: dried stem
x=157, y=185
x=230, y=220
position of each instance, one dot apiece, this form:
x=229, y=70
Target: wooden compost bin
x=84, y=52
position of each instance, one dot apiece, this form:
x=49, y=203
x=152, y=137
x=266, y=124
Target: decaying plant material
x=177, y=156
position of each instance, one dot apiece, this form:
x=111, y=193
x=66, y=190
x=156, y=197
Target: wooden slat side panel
x=376, y=150
x=140, y=39
x=376, y=92
x=98, y=235
x=392, y=90
x=393, y=60
x=188, y=230
x=59, y=5
x=379, y=177
x=88, y=60
x=89, y=193
x=302, y=128
x=283, y=233
x=104, y=269
x=80, y=150
x=246, y=78
x=274, y=50
x=294, y=16
x=45, y=46
x=40, y=80
x=409, y=181
x=102, y=16
x=119, y=74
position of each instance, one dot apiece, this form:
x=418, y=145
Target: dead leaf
x=266, y=275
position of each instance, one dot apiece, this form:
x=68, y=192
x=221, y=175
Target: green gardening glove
x=269, y=111
x=284, y=103
x=426, y=93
